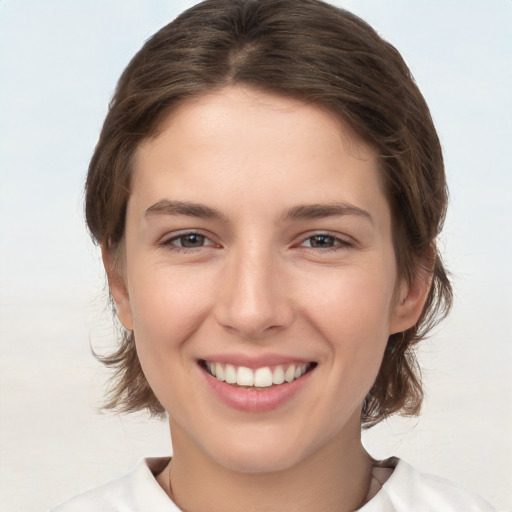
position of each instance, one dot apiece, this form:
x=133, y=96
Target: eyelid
x=343, y=241
x=167, y=240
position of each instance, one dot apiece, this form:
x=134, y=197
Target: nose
x=252, y=300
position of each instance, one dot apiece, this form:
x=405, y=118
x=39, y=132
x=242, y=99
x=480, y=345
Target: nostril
x=252, y=301
x=253, y=322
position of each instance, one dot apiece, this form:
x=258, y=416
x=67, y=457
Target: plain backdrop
x=59, y=61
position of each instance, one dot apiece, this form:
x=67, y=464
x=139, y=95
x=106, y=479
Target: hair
x=325, y=56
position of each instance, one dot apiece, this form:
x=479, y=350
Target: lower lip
x=253, y=400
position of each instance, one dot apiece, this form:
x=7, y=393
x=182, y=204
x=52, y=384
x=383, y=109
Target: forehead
x=247, y=105
x=238, y=144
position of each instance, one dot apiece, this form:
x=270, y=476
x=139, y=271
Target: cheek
x=167, y=309
x=355, y=302
x=166, y=313
x=352, y=313
x=167, y=304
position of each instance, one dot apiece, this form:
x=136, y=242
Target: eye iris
x=322, y=241
x=192, y=240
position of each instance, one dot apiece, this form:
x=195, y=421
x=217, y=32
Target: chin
x=261, y=453
x=258, y=461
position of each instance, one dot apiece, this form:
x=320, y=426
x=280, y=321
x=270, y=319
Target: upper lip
x=258, y=361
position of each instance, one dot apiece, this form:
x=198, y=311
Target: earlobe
x=411, y=301
x=117, y=286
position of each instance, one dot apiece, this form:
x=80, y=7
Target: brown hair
x=305, y=49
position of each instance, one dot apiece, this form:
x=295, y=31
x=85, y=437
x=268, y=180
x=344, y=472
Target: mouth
x=256, y=378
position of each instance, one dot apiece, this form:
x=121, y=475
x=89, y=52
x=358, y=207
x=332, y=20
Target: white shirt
x=406, y=490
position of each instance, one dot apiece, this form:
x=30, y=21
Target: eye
x=190, y=240
x=324, y=241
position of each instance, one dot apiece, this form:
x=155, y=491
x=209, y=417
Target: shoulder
x=135, y=491
x=408, y=489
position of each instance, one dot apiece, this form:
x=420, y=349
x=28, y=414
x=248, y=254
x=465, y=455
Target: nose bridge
x=253, y=297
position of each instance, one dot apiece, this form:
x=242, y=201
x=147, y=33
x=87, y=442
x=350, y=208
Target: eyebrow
x=300, y=212
x=320, y=211
x=168, y=207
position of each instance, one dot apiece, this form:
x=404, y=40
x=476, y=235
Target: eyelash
x=339, y=243
x=169, y=242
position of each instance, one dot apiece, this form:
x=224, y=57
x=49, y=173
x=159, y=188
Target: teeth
x=230, y=374
x=219, y=372
x=244, y=376
x=261, y=377
x=301, y=370
x=278, y=375
x=289, y=374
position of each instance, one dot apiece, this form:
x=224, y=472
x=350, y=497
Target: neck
x=334, y=478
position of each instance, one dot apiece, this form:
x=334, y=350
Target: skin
x=261, y=281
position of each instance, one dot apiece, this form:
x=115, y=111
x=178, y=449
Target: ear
x=410, y=301
x=117, y=285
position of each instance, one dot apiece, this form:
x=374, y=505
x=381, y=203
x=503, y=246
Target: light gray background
x=59, y=61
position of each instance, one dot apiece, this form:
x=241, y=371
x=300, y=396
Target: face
x=259, y=277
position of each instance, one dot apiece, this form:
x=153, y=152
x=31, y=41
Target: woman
x=267, y=191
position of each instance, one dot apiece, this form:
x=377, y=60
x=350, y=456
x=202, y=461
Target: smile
x=263, y=377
